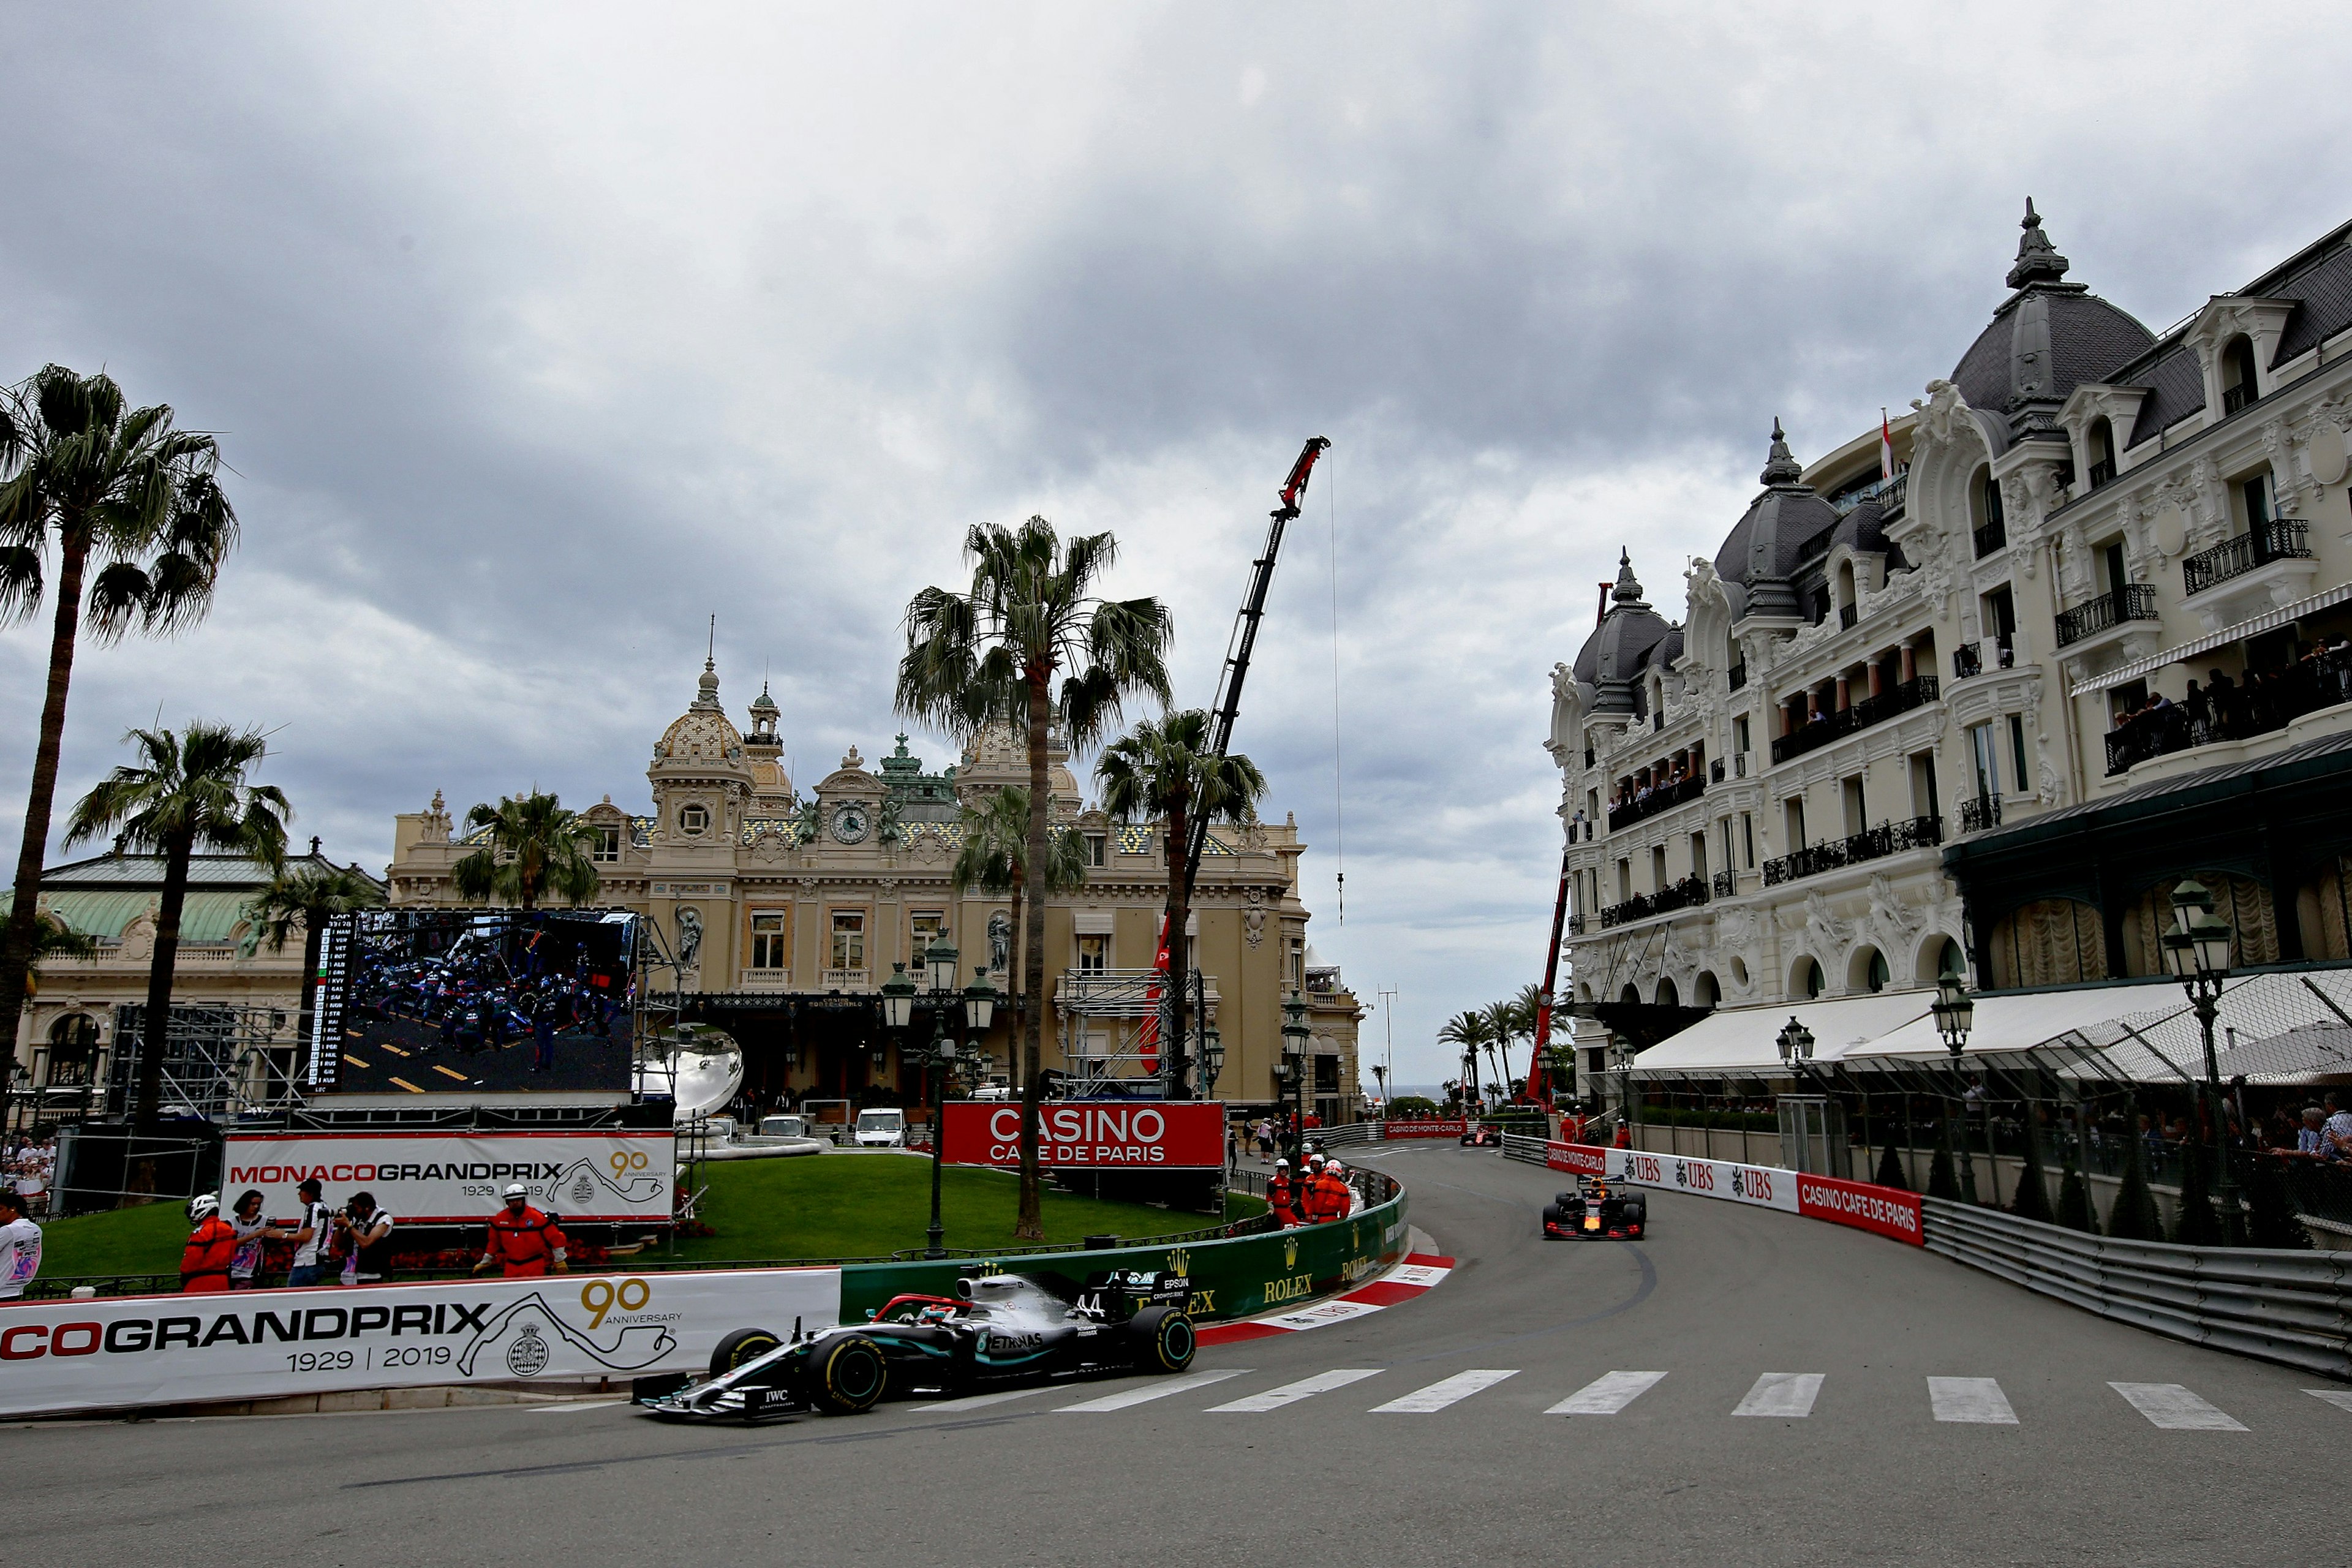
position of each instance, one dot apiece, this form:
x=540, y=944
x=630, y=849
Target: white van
x=783, y=1127
x=881, y=1128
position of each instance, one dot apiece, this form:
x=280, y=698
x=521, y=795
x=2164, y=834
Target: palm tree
x=1466, y=1032
x=307, y=896
x=534, y=847
x=1502, y=1025
x=1032, y=643
x=187, y=793
x=995, y=857
x=79, y=475
x=1163, y=770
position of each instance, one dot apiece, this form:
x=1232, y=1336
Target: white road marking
x=977, y=1401
x=1423, y=1274
x=1972, y=1399
x=1440, y=1394
x=1788, y=1395
x=1145, y=1394
x=2174, y=1408
x=1337, y=1312
x=1608, y=1393
x=569, y=1406
x=2340, y=1398
x=1292, y=1393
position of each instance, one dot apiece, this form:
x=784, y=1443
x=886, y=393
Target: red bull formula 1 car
x=1597, y=1209
x=996, y=1330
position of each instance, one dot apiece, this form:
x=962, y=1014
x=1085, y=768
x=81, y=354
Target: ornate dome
x=1767, y=543
x=2046, y=339
x=1630, y=637
x=703, y=731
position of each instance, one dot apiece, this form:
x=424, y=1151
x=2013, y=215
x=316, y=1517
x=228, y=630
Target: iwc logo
x=527, y=1356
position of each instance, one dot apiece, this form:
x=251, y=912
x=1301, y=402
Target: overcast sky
x=537, y=335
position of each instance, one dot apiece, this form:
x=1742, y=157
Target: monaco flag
x=1885, y=448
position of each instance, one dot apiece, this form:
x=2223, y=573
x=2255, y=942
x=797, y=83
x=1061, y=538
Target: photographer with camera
x=363, y=1240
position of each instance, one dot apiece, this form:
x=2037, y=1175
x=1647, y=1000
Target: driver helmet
x=934, y=1313
x=201, y=1208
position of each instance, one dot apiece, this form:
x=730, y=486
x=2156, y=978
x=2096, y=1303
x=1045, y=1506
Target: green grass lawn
x=867, y=1205
x=827, y=1205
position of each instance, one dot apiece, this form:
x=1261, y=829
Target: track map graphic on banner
x=457, y=1178
x=266, y=1344
x=1089, y=1134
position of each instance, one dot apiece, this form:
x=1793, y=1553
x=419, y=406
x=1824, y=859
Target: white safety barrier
x=1865, y=1206
x=2289, y=1307
x=266, y=1344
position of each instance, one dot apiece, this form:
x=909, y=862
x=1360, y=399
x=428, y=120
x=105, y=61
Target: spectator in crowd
x=363, y=1237
x=2311, y=1137
x=2339, y=1130
x=310, y=1236
x=20, y=1245
x=244, y=1217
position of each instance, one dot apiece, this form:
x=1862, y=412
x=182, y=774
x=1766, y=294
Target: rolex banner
x=611, y=1175
x=268, y=1344
x=1089, y=1134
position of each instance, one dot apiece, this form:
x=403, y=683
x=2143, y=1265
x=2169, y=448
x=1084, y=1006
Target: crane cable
x=1338, y=818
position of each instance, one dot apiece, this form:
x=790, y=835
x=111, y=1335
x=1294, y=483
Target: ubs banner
x=1860, y=1204
x=456, y=1178
x=266, y=1344
x=1106, y=1134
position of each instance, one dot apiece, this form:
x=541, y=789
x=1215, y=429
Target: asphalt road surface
x=1741, y=1387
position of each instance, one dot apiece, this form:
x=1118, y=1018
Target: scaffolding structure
x=1108, y=1017
x=219, y=1062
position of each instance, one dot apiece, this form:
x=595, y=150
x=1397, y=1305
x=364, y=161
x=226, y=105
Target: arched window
x=1668, y=994
x=1806, y=980
x=1985, y=513
x=73, y=1049
x=2238, y=382
x=1706, y=991
x=1632, y=993
x=1866, y=971
x=1938, y=958
x=2102, y=452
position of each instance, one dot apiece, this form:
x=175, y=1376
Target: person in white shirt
x=309, y=1237
x=20, y=1247
x=251, y=1230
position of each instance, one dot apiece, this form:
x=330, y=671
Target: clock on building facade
x=852, y=821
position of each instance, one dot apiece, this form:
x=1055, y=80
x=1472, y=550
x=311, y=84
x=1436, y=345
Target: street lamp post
x=977, y=1009
x=1294, y=1035
x=1956, y=1014
x=2197, y=951
x=1212, y=1061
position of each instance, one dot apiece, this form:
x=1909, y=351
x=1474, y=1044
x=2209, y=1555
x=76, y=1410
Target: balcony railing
x=1874, y=844
x=1830, y=726
x=2263, y=702
x=1891, y=493
x=1664, y=798
x=2233, y=398
x=2103, y=473
x=1992, y=536
x=1848, y=615
x=1576, y=925
x=2133, y=602
x=1979, y=814
x=2281, y=539
x=1686, y=894
x=1726, y=884
x=1737, y=675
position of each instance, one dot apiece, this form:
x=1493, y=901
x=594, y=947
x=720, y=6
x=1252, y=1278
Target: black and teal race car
x=997, y=1330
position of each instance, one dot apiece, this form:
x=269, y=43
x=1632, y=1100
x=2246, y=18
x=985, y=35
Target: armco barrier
x=1880, y=1210
x=2289, y=1307
x=1232, y=1278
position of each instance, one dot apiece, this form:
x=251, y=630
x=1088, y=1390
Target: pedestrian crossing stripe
x=1607, y=1395
x=2174, y=1408
x=1439, y=1394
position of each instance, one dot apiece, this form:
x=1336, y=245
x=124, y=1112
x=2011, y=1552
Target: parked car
x=783, y=1127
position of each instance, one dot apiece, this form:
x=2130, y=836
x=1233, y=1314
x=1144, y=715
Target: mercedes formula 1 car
x=996, y=1329
x=1597, y=1208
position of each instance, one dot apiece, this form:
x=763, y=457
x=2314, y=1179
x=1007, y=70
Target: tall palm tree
x=1502, y=1028
x=1466, y=1032
x=1031, y=642
x=1163, y=770
x=534, y=847
x=307, y=896
x=995, y=859
x=187, y=792
x=122, y=490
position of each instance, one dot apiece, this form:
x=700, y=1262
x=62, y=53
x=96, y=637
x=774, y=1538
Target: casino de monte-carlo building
x=785, y=912
x=2088, y=639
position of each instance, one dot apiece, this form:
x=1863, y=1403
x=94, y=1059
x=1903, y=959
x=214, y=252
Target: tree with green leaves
x=1941, y=1182
x=187, y=792
x=996, y=860
x=1031, y=642
x=1467, y=1033
x=2196, y=1224
x=306, y=897
x=1890, y=1170
x=87, y=482
x=2133, y=1215
x=1163, y=771
x=533, y=848
x=2074, y=1208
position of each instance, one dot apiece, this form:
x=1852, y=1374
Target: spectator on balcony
x=2339, y=1130
x=2311, y=1137
x=2227, y=709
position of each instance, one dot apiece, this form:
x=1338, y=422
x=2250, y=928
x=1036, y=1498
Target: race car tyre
x=1164, y=1340
x=1637, y=1211
x=849, y=1376
x=743, y=1345
x=1554, y=1214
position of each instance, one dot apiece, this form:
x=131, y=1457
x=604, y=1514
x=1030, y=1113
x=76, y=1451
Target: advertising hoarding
x=422, y=1178
x=268, y=1344
x=1432, y=1128
x=1089, y=1134
x=1881, y=1210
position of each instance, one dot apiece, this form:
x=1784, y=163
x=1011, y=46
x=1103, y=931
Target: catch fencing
x=2290, y=1307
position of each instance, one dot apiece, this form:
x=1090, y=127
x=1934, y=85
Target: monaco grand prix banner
x=1088, y=1134
x=617, y=1175
x=1858, y=1204
x=268, y=1344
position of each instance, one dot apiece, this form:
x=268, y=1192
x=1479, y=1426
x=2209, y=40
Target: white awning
x=2019, y=1021
x=2269, y=620
x=1743, y=1042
